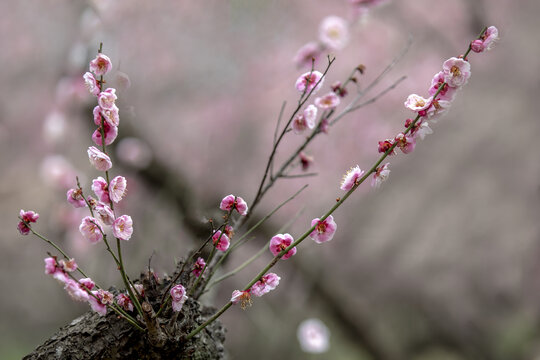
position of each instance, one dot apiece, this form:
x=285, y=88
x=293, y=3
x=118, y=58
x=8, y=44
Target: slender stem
x=127, y=284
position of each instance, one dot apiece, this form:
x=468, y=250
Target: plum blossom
x=266, y=284
x=280, y=242
x=105, y=213
x=100, y=301
x=68, y=265
x=101, y=189
x=122, y=227
x=75, y=291
x=221, y=241
x=447, y=93
x=87, y=283
x=386, y=145
x=456, y=72
x=422, y=130
x=98, y=159
x=107, y=98
x=305, y=55
x=91, y=83
x=242, y=297
x=91, y=229
x=198, y=267
x=405, y=143
x=230, y=202
x=487, y=41
x=324, y=229
x=312, y=80
x=305, y=160
x=229, y=231
x=26, y=217
x=124, y=301
x=351, y=177
x=111, y=115
x=438, y=108
x=178, y=296
x=328, y=101
x=417, y=103
x=101, y=65
x=50, y=265
x=306, y=120
x=339, y=89
x=75, y=198
x=117, y=188
x=334, y=32
x=380, y=175
x=313, y=336
x=110, y=131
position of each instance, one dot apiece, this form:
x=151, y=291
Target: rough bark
x=92, y=336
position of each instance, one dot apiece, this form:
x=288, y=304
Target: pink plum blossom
x=417, y=103
x=242, y=297
x=422, y=130
x=50, y=265
x=339, y=89
x=107, y=98
x=75, y=198
x=279, y=243
x=117, y=188
x=87, y=283
x=446, y=93
x=230, y=202
x=111, y=115
x=486, y=41
x=456, y=72
x=313, y=336
x=101, y=65
x=198, y=267
x=26, y=218
x=91, y=229
x=438, y=108
x=300, y=124
x=221, y=241
x=229, y=231
x=178, y=297
x=101, y=189
x=334, y=32
x=328, y=101
x=104, y=212
x=351, y=177
x=266, y=284
x=97, y=115
x=380, y=175
x=75, y=291
x=306, y=54
x=122, y=227
x=110, y=131
x=310, y=81
x=100, y=301
x=405, y=143
x=310, y=113
x=91, y=83
x=124, y=301
x=386, y=145
x=98, y=159
x=324, y=229
x=68, y=265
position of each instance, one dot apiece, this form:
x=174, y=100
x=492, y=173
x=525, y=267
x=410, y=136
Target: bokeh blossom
x=334, y=32
x=313, y=336
x=328, y=101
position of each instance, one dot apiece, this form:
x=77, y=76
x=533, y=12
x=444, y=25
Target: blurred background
x=441, y=262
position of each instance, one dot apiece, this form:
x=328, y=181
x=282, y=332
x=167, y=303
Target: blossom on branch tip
x=99, y=159
x=122, y=227
x=279, y=243
x=487, y=41
x=351, y=177
x=107, y=98
x=178, y=297
x=265, y=284
x=456, y=72
x=75, y=198
x=230, y=202
x=328, y=101
x=220, y=240
x=242, y=297
x=334, y=32
x=312, y=80
x=26, y=218
x=117, y=188
x=101, y=65
x=101, y=189
x=198, y=267
x=324, y=229
x=91, y=229
x=380, y=175
x=91, y=83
